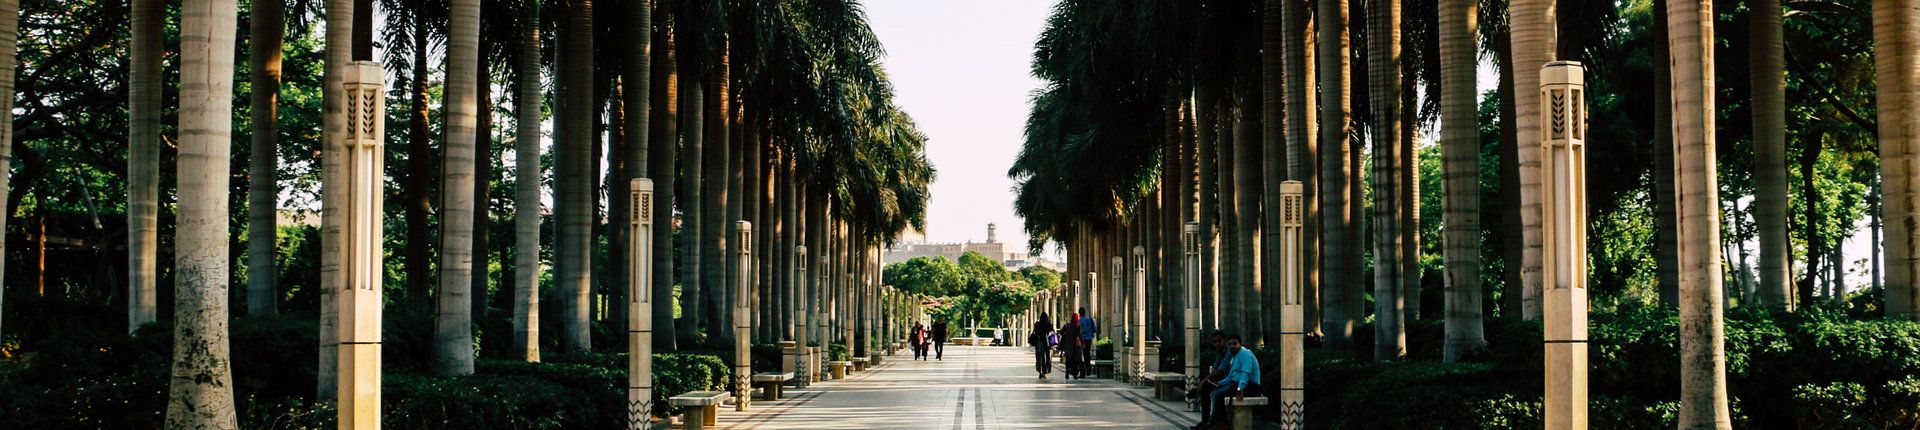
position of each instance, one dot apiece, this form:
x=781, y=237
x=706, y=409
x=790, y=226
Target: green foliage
x=934, y=276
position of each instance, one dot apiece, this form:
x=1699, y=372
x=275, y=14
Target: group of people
x=923, y=336
x=1074, y=341
x=1235, y=374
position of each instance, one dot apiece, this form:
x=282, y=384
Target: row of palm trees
x=774, y=112
x=1197, y=110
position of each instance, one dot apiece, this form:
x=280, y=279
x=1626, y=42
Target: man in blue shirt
x=1243, y=378
x=1088, y=330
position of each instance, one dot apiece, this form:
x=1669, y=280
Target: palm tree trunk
x=1768, y=63
x=1703, y=363
x=526, y=200
x=1666, y=221
x=483, y=174
x=693, y=204
x=9, y=57
x=340, y=40
x=637, y=89
x=1228, y=287
x=1534, y=43
x=1511, y=242
x=1383, y=70
x=1273, y=128
x=717, y=171
x=1341, y=311
x=1460, y=161
x=418, y=175
x=453, y=324
x=1248, y=163
x=1410, y=268
x=576, y=223
x=143, y=157
x=662, y=149
x=201, y=393
x=263, y=194
x=1303, y=146
x=1896, y=36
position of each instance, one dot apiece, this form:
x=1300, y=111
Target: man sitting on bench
x=1222, y=362
x=1243, y=378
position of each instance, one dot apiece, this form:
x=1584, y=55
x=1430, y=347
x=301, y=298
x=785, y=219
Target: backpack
x=1053, y=338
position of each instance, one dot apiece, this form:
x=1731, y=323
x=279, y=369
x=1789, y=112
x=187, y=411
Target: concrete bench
x=769, y=383
x=840, y=368
x=1103, y=368
x=1243, y=410
x=703, y=407
x=1167, y=385
x=874, y=360
x=859, y=364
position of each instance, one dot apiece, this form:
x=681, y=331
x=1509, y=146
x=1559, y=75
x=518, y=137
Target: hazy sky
x=961, y=69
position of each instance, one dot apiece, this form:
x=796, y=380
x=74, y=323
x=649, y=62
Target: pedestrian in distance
x=1070, y=346
x=939, y=338
x=1042, y=328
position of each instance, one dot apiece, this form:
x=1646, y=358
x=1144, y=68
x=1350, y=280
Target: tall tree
x=1666, y=217
x=1769, y=68
x=266, y=21
x=1460, y=161
x=9, y=57
x=419, y=177
x=526, y=199
x=143, y=160
x=663, y=145
x=1896, y=40
x=1342, y=299
x=1302, y=134
x=343, y=46
x=637, y=86
x=1383, y=80
x=1273, y=83
x=453, y=323
x=576, y=153
x=1460, y=144
x=1703, y=363
x=1534, y=41
x=200, y=395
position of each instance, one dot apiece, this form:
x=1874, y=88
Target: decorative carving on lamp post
x=743, y=319
x=1190, y=315
x=1292, y=308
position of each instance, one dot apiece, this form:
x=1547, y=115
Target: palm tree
x=1666, y=221
x=526, y=200
x=1896, y=34
x=1534, y=41
x=341, y=49
x=1273, y=84
x=1768, y=62
x=636, y=87
x=143, y=159
x=263, y=193
x=1703, y=363
x=576, y=148
x=718, y=170
x=1460, y=149
x=453, y=324
x=664, y=145
x=9, y=49
x=1303, y=146
x=418, y=201
x=201, y=393
x=1341, y=310
x=1383, y=69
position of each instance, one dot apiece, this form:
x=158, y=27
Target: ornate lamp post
x=360, y=304
x=640, y=307
x=1190, y=235
x=1564, y=197
x=1292, y=307
x=1120, y=325
x=743, y=319
x=1139, y=320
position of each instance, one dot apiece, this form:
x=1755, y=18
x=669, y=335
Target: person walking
x=939, y=338
x=1243, y=379
x=1089, y=329
x=919, y=341
x=1070, y=346
x=1041, y=362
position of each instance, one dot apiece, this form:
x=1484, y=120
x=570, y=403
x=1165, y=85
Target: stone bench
x=1243, y=410
x=874, y=360
x=840, y=368
x=859, y=364
x=769, y=383
x=1167, y=385
x=703, y=407
x=1103, y=368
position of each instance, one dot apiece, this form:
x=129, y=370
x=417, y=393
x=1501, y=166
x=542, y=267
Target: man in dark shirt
x=1222, y=362
x=939, y=338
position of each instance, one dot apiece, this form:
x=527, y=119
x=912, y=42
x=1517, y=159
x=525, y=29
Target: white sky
x=961, y=69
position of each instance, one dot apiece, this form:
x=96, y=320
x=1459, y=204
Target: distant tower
x=990, y=229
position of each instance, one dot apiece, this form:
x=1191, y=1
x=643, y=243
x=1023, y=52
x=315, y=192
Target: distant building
x=913, y=244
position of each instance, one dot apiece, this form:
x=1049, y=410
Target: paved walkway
x=975, y=388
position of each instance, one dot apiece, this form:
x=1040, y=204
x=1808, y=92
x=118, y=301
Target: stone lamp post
x=743, y=319
x=640, y=307
x=1292, y=308
x=1563, y=191
x=1190, y=238
x=360, y=303
x=1138, y=330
